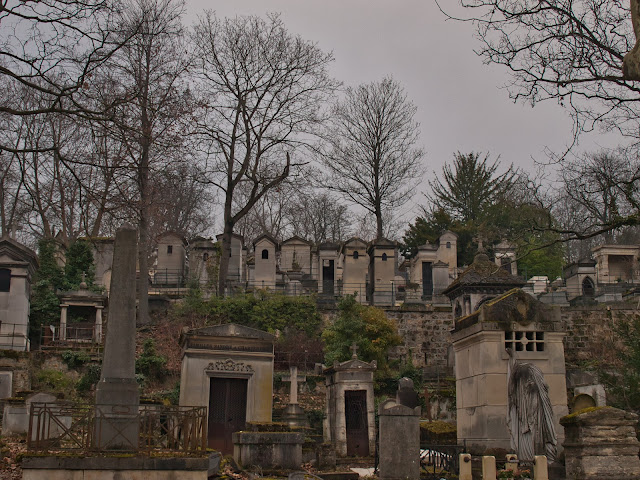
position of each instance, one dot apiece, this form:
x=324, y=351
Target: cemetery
x=474, y=342
x=208, y=270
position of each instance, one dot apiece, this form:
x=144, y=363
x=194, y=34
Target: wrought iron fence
x=90, y=428
x=438, y=461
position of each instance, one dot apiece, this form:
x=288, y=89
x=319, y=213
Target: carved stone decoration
x=229, y=365
x=631, y=61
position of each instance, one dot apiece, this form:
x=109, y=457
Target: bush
x=53, y=380
x=150, y=364
x=89, y=379
x=74, y=359
x=264, y=311
x=367, y=327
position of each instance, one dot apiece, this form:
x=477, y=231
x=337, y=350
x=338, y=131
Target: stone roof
x=484, y=272
x=231, y=330
x=19, y=253
x=352, y=364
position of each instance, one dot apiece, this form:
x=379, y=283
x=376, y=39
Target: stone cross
x=294, y=378
x=354, y=349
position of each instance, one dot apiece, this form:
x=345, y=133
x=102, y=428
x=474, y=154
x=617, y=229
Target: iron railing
x=59, y=427
x=438, y=461
x=75, y=333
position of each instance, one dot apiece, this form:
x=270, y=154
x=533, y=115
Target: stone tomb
x=534, y=331
x=229, y=369
x=349, y=423
x=17, y=267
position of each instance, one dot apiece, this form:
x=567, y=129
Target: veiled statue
x=530, y=419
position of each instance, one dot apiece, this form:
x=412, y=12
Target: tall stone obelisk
x=117, y=393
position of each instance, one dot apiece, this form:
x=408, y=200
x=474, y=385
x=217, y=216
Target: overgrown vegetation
x=367, y=327
x=262, y=310
x=150, y=364
x=622, y=376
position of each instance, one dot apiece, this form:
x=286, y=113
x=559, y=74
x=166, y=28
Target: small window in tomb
x=169, y=249
x=384, y=257
x=524, y=341
x=448, y=244
x=265, y=254
x=205, y=257
x=5, y=279
x=355, y=255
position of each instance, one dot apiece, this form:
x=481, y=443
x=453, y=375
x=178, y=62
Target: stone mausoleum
x=229, y=369
x=534, y=332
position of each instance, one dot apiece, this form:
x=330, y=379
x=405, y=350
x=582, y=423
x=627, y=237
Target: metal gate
x=356, y=422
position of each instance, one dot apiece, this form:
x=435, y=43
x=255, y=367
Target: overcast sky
x=461, y=103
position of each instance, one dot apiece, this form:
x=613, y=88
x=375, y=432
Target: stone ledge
x=116, y=463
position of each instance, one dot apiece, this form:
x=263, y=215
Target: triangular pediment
x=232, y=330
x=17, y=252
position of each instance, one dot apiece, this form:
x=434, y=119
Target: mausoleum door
x=356, y=422
x=227, y=411
x=427, y=279
x=328, y=277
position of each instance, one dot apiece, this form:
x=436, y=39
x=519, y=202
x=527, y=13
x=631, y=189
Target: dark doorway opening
x=227, y=411
x=357, y=425
x=328, y=276
x=427, y=279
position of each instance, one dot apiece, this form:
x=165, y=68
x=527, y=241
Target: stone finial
x=354, y=349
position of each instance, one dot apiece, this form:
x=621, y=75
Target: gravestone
x=228, y=369
x=406, y=394
x=6, y=384
x=399, y=445
x=293, y=414
x=117, y=392
x=349, y=422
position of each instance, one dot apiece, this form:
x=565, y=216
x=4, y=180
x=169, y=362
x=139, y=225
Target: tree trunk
x=224, y=257
x=379, y=233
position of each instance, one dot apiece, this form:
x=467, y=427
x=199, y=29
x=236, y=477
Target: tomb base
x=294, y=416
x=109, y=468
x=268, y=449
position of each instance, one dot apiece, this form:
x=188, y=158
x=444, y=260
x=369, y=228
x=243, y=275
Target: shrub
x=368, y=327
x=89, y=379
x=150, y=364
x=74, y=359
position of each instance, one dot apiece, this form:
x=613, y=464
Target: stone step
x=339, y=476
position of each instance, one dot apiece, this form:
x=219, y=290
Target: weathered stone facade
x=601, y=444
x=426, y=336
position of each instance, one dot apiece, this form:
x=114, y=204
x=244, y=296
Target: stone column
x=62, y=334
x=98, y=326
x=293, y=414
x=117, y=393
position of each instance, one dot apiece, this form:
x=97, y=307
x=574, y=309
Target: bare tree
x=371, y=153
x=569, y=51
x=263, y=95
x=596, y=194
x=146, y=77
x=319, y=217
x=52, y=49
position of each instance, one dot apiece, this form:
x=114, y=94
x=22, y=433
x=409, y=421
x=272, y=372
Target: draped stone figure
x=530, y=419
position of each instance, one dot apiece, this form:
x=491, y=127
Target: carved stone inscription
x=229, y=365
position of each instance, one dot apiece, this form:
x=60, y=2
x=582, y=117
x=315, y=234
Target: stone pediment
x=296, y=240
x=353, y=364
x=232, y=330
x=18, y=253
x=268, y=238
